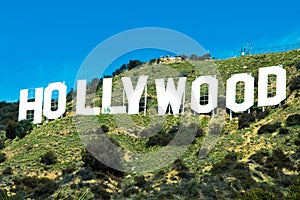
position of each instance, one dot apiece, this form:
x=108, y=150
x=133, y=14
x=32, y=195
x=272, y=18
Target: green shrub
x=86, y=173
x=69, y=169
x=1, y=144
x=245, y=120
x=92, y=162
x=152, y=61
x=226, y=164
x=179, y=165
x=10, y=131
x=257, y=194
x=162, y=139
x=293, y=120
x=284, y=131
x=294, y=190
x=150, y=131
x=140, y=180
x=267, y=128
x=49, y=158
x=199, y=133
x=298, y=64
x=102, y=129
x=262, y=115
x=38, y=188
x=7, y=171
x=20, y=129
x=295, y=83
x=260, y=156
x=2, y=157
x=23, y=128
x=278, y=160
x=5, y=196
x=277, y=124
x=100, y=191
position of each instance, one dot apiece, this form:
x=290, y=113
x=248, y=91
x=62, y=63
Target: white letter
x=263, y=99
x=248, y=92
x=134, y=96
x=106, y=99
x=36, y=105
x=171, y=95
x=81, y=97
x=212, y=93
x=61, y=108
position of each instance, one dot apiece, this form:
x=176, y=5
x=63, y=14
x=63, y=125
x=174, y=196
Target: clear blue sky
x=46, y=41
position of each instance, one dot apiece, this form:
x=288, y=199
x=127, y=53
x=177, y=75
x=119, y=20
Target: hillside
x=8, y=114
x=256, y=156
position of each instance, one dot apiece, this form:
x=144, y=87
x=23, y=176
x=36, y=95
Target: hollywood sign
x=166, y=95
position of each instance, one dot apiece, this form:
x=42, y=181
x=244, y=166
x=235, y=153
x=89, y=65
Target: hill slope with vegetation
x=256, y=156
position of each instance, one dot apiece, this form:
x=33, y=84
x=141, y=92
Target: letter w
x=171, y=95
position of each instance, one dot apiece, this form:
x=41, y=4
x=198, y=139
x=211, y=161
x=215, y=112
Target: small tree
x=2, y=157
x=133, y=64
x=49, y=158
x=298, y=64
x=193, y=57
x=19, y=129
x=23, y=128
x=295, y=83
x=10, y=131
x=1, y=143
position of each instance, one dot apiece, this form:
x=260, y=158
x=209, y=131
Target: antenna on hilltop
x=247, y=49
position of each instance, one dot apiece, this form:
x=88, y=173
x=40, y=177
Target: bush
x=260, y=156
x=262, y=115
x=228, y=163
x=39, y=188
x=149, y=131
x=183, y=136
x=1, y=144
x=19, y=129
x=92, y=162
x=102, y=129
x=257, y=194
x=105, y=128
x=295, y=83
x=294, y=190
x=277, y=124
x=245, y=120
x=199, y=133
x=140, y=181
x=4, y=195
x=179, y=165
x=2, y=157
x=10, y=131
x=86, y=173
x=133, y=64
x=298, y=64
x=23, y=128
x=154, y=60
x=278, y=160
x=293, y=120
x=69, y=169
x=297, y=142
x=49, y=158
x=162, y=139
x=284, y=131
x=267, y=128
x=7, y=171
